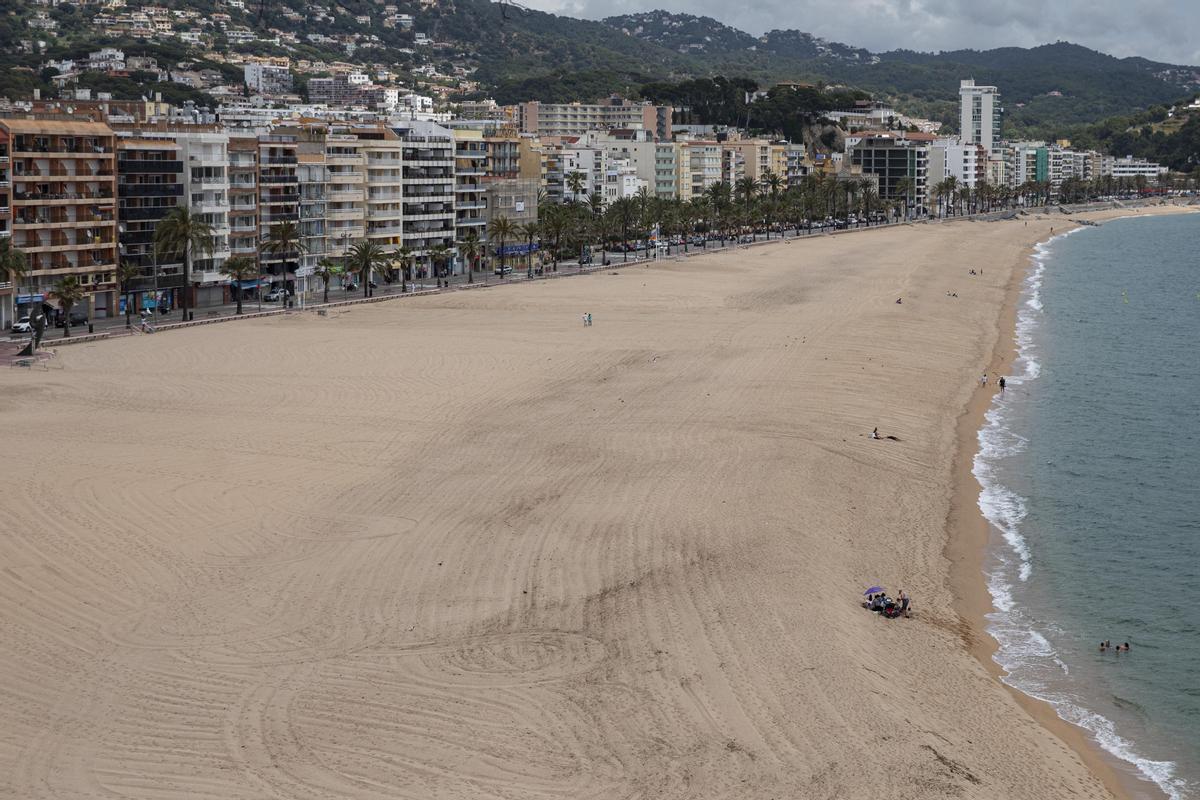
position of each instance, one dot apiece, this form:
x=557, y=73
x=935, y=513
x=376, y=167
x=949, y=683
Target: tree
x=554, y=222
x=439, y=254
x=14, y=267
x=624, y=213
x=327, y=269
x=575, y=182
x=529, y=231
x=184, y=233
x=284, y=241
x=501, y=229
x=69, y=292
x=595, y=204
x=127, y=273
x=469, y=246
x=405, y=258
x=238, y=269
x=364, y=257
x=746, y=189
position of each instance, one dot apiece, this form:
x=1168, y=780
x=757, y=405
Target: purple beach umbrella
x=873, y=590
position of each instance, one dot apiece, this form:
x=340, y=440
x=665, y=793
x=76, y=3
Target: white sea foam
x=1026, y=654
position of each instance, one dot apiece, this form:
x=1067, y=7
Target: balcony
x=147, y=167
x=276, y=199
x=150, y=189
x=461, y=188
x=352, y=195
x=344, y=213
x=282, y=160
x=467, y=206
x=278, y=179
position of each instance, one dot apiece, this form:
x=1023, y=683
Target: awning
x=29, y=298
x=251, y=284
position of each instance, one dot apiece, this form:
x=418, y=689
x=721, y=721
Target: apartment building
x=149, y=186
x=470, y=170
x=63, y=211
x=653, y=161
x=428, y=167
x=966, y=163
x=278, y=201
x=698, y=166
x=205, y=153
x=267, y=78
x=541, y=161
x=346, y=194
x=384, y=210
x=312, y=177
x=576, y=119
x=980, y=114
x=7, y=290
x=243, y=201
x=503, y=156
x=1134, y=168
x=589, y=163
x=756, y=157
x=900, y=164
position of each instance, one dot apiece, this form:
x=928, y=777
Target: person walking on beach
x=902, y=598
x=1003, y=383
x=983, y=380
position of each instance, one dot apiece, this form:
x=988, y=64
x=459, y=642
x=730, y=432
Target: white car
x=22, y=325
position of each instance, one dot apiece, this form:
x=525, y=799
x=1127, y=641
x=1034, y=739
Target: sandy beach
x=462, y=546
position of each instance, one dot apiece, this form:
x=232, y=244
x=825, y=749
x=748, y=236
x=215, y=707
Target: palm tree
x=439, y=254
x=184, y=233
x=469, y=246
x=554, y=223
x=575, y=184
x=364, y=257
x=905, y=188
x=405, y=257
x=14, y=267
x=595, y=204
x=624, y=214
x=127, y=273
x=529, y=231
x=501, y=229
x=69, y=292
x=238, y=269
x=327, y=269
x=284, y=241
x=745, y=189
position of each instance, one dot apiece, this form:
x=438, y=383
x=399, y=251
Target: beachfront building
x=503, y=155
x=346, y=194
x=576, y=119
x=243, y=203
x=900, y=164
x=278, y=200
x=589, y=163
x=64, y=209
x=653, y=162
x=966, y=163
x=1132, y=168
x=7, y=290
x=205, y=152
x=312, y=178
x=384, y=210
x=979, y=115
x=698, y=166
x=149, y=186
x=428, y=188
x=470, y=170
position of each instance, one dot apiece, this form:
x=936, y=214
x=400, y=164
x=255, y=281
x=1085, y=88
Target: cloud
x=1162, y=30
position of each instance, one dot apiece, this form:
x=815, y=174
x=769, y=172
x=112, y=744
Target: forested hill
x=520, y=54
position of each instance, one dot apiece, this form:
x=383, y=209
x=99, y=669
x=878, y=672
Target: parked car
x=747, y=239
x=78, y=318
x=505, y=270
x=350, y=287
x=22, y=325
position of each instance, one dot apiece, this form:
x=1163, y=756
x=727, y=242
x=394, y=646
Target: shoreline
x=968, y=542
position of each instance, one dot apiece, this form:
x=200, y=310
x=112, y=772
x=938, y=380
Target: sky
x=1161, y=30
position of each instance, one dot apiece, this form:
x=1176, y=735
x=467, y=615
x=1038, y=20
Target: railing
x=142, y=167
x=278, y=179
x=150, y=189
x=290, y=197
x=279, y=160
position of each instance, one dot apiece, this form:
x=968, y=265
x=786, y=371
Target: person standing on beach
x=983, y=379
x=1003, y=383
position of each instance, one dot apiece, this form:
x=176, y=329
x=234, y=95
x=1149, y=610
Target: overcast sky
x=1162, y=30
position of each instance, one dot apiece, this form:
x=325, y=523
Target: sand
x=461, y=546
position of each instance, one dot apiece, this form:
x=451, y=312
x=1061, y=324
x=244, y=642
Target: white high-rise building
x=979, y=115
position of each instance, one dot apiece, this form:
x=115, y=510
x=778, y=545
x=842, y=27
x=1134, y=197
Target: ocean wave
x=1027, y=656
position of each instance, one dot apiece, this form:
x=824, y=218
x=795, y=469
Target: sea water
x=1089, y=464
